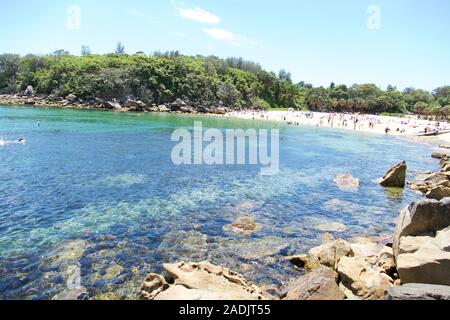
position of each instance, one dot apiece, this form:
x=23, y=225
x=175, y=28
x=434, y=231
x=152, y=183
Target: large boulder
x=439, y=192
x=361, y=280
x=163, y=108
x=329, y=254
x=71, y=97
x=319, y=284
x=346, y=182
x=220, y=110
x=439, y=155
x=113, y=105
x=425, y=259
x=419, y=291
x=29, y=91
x=135, y=105
x=199, y=281
x=395, y=177
x=422, y=218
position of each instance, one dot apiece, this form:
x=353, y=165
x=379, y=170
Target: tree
x=391, y=88
x=283, y=75
x=60, y=52
x=120, y=48
x=85, y=50
x=442, y=95
x=412, y=96
x=9, y=71
x=228, y=94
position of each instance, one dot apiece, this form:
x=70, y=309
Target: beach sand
x=408, y=126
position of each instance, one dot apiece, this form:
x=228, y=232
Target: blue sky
x=317, y=41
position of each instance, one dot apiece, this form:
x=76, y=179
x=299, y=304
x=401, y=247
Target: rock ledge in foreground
x=199, y=281
x=417, y=291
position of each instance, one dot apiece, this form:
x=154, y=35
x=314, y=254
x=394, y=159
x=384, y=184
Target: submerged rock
x=185, y=245
x=67, y=252
x=395, y=177
x=109, y=296
x=72, y=294
x=199, y=281
x=346, y=182
x=245, y=225
x=319, y=284
x=332, y=227
x=254, y=249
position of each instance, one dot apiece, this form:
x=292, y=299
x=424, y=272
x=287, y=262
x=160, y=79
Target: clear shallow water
x=98, y=190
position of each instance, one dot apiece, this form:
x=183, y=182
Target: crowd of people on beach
x=356, y=122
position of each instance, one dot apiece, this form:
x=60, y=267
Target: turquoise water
x=98, y=190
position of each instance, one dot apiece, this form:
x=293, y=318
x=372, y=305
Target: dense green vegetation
x=201, y=81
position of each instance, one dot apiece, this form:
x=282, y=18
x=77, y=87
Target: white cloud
x=200, y=15
x=221, y=34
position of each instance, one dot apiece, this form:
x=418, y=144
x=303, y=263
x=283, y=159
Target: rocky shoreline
x=126, y=104
x=413, y=265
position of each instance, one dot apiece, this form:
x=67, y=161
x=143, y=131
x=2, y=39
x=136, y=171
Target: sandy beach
x=408, y=126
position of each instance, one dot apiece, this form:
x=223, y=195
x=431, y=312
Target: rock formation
x=199, y=281
x=395, y=177
x=346, y=182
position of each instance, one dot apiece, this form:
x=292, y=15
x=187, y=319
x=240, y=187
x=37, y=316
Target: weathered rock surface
x=72, y=294
x=305, y=262
x=112, y=105
x=29, y=91
x=438, y=193
x=425, y=259
x=163, y=108
x=419, y=291
x=319, y=284
x=199, y=281
x=331, y=227
x=395, y=177
x=244, y=225
x=422, y=243
x=362, y=280
x=346, y=182
x=420, y=218
x=254, y=249
x=329, y=254
x=135, y=105
x=439, y=155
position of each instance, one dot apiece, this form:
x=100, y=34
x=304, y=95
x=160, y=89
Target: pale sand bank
x=407, y=126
